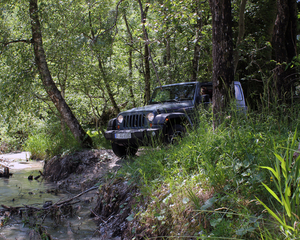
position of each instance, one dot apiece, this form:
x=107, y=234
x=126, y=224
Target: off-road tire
x=175, y=133
x=124, y=151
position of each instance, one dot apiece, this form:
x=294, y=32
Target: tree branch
x=16, y=41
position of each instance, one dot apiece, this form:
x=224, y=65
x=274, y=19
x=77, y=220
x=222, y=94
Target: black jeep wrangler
x=171, y=108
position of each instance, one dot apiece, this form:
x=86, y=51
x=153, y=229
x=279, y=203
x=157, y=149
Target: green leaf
x=215, y=222
x=283, y=165
x=273, y=171
x=287, y=204
x=242, y=231
x=130, y=217
x=271, y=212
x=209, y=203
x=272, y=193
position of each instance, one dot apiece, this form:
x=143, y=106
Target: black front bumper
x=141, y=137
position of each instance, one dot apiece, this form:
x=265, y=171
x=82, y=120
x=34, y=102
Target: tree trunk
x=130, y=60
x=146, y=53
x=147, y=75
x=241, y=33
x=49, y=85
x=284, y=47
x=147, y=56
x=107, y=86
x=222, y=56
x=195, y=61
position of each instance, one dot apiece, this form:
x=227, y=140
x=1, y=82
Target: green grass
x=206, y=186
x=48, y=140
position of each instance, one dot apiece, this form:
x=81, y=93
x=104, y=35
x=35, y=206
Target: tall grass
x=222, y=167
x=285, y=174
x=47, y=140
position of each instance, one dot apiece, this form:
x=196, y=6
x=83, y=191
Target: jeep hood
x=161, y=107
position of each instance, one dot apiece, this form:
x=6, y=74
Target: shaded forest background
x=106, y=56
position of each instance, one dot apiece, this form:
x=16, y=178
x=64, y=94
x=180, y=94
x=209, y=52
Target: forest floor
x=96, y=170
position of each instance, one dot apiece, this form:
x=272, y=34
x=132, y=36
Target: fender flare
x=112, y=124
x=160, y=119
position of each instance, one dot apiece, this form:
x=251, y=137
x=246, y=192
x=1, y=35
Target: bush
x=48, y=140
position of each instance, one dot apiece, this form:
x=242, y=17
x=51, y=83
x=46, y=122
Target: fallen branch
x=78, y=195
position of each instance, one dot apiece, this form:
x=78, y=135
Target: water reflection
x=18, y=191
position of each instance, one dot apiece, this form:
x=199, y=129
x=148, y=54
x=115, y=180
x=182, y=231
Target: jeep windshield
x=173, y=93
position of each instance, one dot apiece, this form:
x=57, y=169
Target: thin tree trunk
x=107, y=86
x=241, y=33
x=195, y=61
x=49, y=85
x=147, y=56
x=168, y=58
x=222, y=56
x=101, y=66
x=130, y=60
x=147, y=75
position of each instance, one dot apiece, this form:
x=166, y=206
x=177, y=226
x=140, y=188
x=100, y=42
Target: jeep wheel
x=123, y=151
x=175, y=133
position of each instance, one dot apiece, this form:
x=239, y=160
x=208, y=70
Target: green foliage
x=80, y=35
x=98, y=139
x=48, y=140
x=217, y=174
x=285, y=176
x=38, y=145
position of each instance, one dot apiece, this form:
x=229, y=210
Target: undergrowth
x=48, y=140
x=207, y=185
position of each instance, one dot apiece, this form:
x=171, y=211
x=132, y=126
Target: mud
x=110, y=203
x=82, y=170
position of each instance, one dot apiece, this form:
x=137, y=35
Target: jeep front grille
x=134, y=121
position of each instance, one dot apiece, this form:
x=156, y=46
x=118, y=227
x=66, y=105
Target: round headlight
x=120, y=118
x=150, y=117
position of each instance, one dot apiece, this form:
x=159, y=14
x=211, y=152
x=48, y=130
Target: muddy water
x=18, y=191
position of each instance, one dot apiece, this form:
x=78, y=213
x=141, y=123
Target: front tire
x=124, y=151
x=175, y=133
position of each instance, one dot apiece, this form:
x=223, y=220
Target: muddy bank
x=84, y=186
x=81, y=170
x=115, y=196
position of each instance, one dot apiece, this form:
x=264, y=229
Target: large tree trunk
x=223, y=71
x=284, y=47
x=50, y=87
